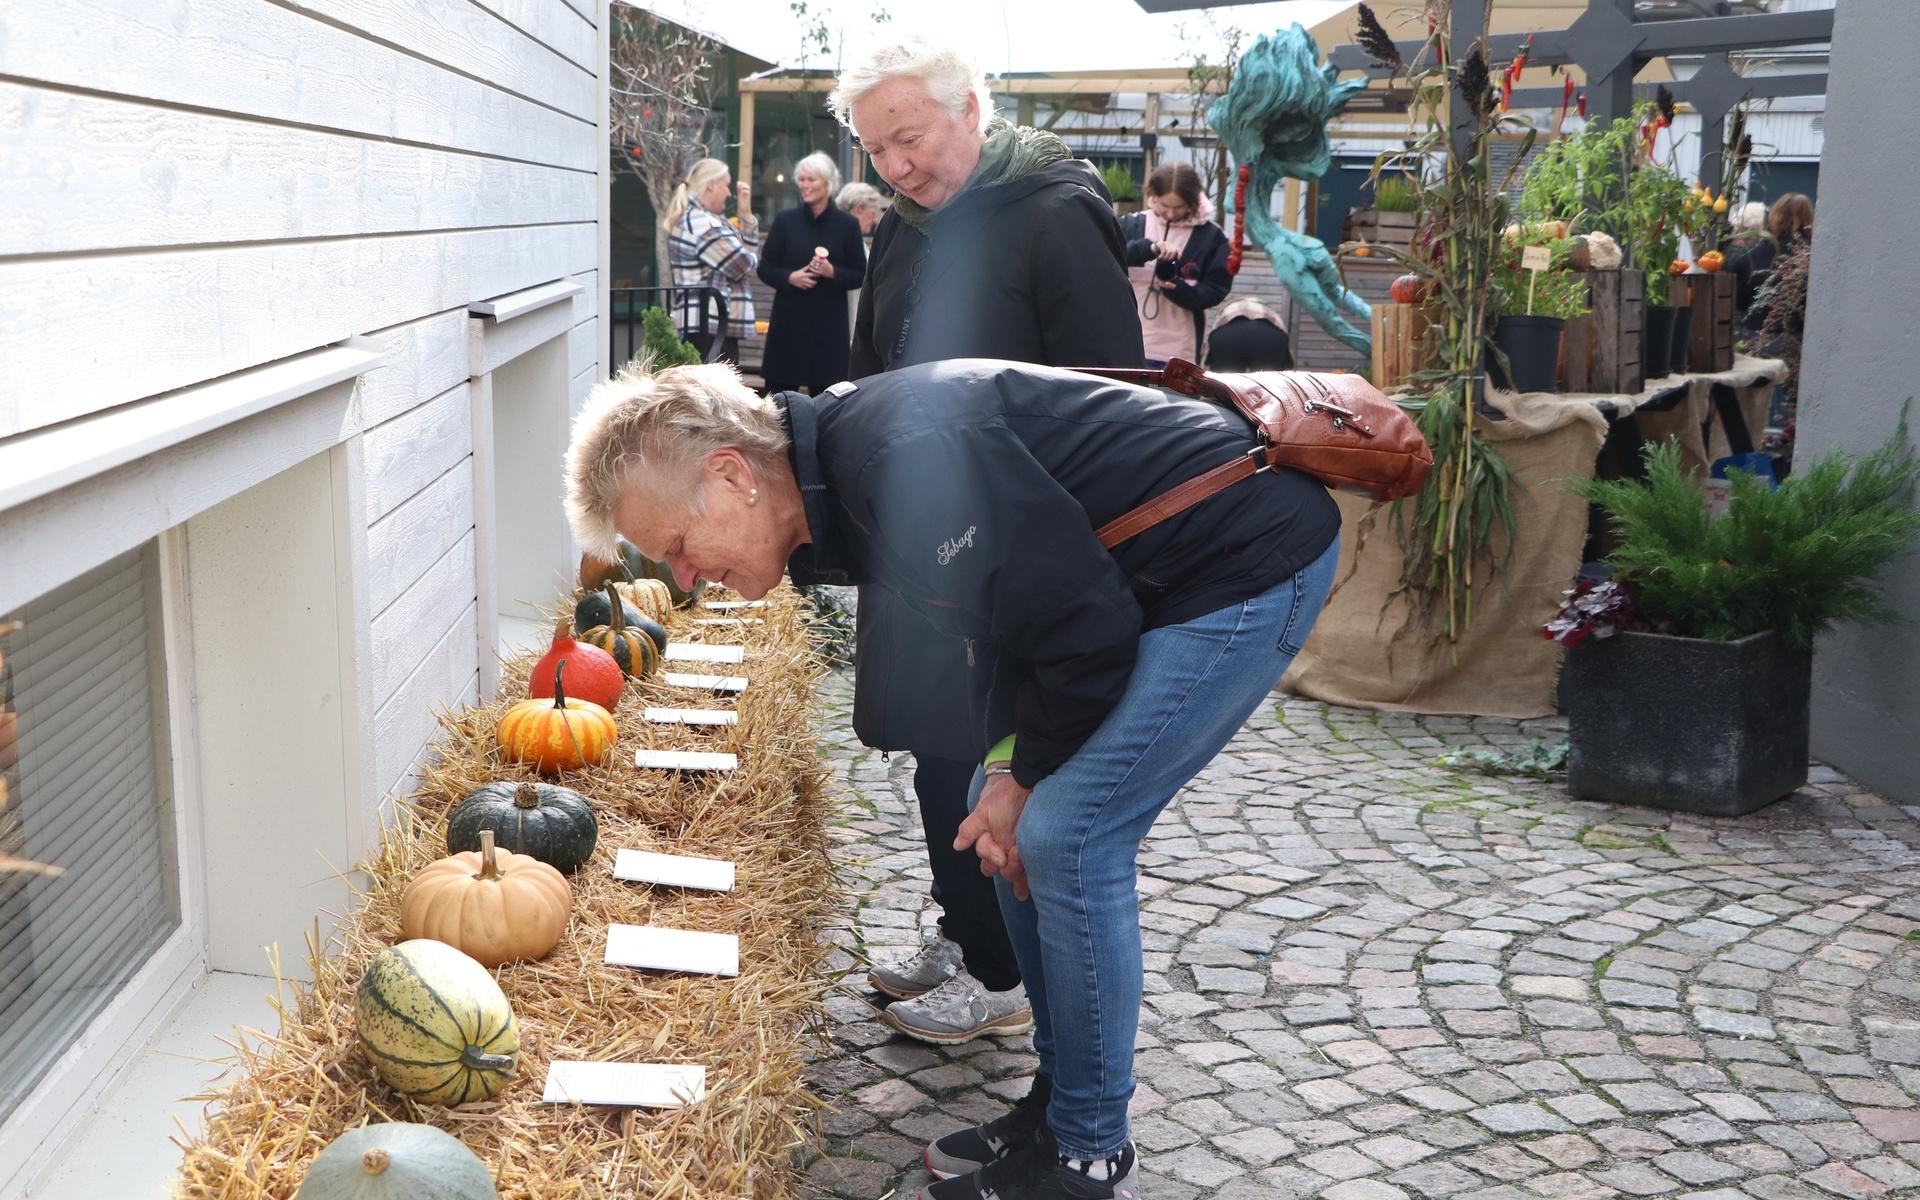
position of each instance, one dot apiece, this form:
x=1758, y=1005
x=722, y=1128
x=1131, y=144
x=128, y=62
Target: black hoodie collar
x=825, y=556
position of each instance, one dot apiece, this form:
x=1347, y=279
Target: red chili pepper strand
x=1239, y=219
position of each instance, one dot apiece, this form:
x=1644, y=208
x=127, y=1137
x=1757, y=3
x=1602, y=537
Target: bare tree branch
x=662, y=114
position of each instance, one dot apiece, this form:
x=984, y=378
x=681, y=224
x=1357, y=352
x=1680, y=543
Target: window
x=84, y=787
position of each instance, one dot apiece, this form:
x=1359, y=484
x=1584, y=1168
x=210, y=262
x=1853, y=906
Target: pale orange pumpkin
x=556, y=735
x=492, y=905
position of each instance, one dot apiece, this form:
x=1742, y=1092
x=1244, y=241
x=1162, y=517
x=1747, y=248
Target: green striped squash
x=435, y=1024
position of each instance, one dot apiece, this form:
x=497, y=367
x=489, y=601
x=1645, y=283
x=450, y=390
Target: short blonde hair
x=655, y=429
x=1749, y=217
x=950, y=73
x=821, y=166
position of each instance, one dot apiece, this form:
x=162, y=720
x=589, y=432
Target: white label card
x=673, y=870
x=686, y=760
x=628, y=1085
x=692, y=716
x=730, y=605
x=705, y=683
x=684, y=652
x=654, y=949
x=1535, y=258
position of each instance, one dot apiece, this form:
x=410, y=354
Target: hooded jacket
x=1028, y=270
x=972, y=489
x=1200, y=271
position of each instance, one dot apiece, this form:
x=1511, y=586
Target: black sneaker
x=1035, y=1171
x=968, y=1150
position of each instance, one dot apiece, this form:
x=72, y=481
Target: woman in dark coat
x=813, y=257
x=1177, y=262
x=999, y=244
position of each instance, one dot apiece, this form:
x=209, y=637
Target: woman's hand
x=803, y=279
x=743, y=192
x=1166, y=251
x=991, y=830
x=821, y=267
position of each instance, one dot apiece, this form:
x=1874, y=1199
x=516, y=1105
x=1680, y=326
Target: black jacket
x=807, y=330
x=973, y=488
x=1248, y=344
x=1204, y=260
x=1029, y=271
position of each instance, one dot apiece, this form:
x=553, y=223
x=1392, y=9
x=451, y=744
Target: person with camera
x=1177, y=262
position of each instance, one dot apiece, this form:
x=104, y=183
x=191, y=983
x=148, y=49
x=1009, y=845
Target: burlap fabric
x=1368, y=653
x=1702, y=444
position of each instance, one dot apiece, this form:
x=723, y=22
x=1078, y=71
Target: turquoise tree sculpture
x=1274, y=115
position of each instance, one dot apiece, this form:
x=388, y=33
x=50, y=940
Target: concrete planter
x=1716, y=728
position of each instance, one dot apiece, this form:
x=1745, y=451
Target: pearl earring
x=753, y=496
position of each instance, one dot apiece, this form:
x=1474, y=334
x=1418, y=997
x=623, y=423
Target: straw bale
x=289, y=1094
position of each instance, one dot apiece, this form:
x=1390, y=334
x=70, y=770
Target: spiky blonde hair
x=655, y=429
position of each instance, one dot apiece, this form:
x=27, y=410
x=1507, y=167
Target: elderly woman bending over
x=1102, y=680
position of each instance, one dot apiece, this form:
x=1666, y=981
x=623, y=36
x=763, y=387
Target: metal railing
x=626, y=334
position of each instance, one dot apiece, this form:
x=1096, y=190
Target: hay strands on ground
x=287, y=1095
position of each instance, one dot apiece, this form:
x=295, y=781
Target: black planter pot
x=1682, y=349
x=1657, y=353
x=1717, y=728
x=1532, y=346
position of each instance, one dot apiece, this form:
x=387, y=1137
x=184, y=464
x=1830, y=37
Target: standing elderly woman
x=1106, y=679
x=867, y=205
x=705, y=250
x=999, y=244
x=814, y=257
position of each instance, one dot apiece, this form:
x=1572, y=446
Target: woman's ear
x=732, y=470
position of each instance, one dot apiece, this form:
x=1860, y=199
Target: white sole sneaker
x=1011, y=1024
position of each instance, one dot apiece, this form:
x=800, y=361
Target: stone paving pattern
x=1373, y=978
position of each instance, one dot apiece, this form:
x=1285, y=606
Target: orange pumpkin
x=1678, y=266
x=556, y=735
x=493, y=905
x=1712, y=261
x=1409, y=289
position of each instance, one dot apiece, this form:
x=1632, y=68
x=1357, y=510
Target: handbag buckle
x=1261, y=460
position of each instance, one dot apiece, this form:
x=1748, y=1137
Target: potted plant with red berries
x=1690, y=672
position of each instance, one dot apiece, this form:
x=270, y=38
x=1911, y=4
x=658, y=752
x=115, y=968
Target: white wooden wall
x=197, y=187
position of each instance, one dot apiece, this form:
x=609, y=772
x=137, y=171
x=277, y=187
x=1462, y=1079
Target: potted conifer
x=1689, y=672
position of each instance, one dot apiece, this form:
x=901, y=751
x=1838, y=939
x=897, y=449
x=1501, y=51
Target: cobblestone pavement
x=1370, y=977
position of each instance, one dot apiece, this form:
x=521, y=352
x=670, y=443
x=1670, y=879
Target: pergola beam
x=1043, y=85
x=1758, y=31
x=1765, y=87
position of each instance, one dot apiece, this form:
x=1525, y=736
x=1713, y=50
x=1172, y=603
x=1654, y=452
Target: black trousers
x=970, y=907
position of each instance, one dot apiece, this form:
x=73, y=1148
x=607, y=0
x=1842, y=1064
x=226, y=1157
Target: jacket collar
x=826, y=554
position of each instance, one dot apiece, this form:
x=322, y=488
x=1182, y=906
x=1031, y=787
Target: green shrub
x=661, y=344
x=1797, y=559
x=1120, y=182
x=1396, y=193
x=1558, y=292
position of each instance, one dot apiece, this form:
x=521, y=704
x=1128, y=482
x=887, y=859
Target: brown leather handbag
x=1339, y=429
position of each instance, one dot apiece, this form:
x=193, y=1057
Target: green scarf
x=1011, y=151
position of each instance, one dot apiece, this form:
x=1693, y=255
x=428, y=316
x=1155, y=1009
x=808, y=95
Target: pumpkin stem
x=562, y=631
x=376, y=1160
x=526, y=796
x=618, y=619
x=489, y=865
x=559, y=691
x=475, y=1059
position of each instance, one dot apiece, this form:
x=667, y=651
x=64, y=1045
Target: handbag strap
x=1172, y=503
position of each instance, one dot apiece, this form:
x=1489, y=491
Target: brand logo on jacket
x=953, y=546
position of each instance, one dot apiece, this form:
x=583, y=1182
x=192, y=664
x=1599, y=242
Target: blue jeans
x=1078, y=937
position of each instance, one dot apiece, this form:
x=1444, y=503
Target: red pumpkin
x=1409, y=289
x=596, y=676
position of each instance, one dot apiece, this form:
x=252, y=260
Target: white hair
x=857, y=196
x=1749, y=217
x=950, y=73
x=821, y=166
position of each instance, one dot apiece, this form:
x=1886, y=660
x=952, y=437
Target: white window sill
x=517, y=304
x=125, y=1148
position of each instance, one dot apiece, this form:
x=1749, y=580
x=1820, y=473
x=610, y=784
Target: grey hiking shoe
x=960, y=1010
x=937, y=961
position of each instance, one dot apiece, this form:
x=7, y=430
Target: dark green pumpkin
x=635, y=565
x=652, y=628
x=596, y=608
x=554, y=824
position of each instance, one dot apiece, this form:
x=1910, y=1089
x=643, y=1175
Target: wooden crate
x=1601, y=351
x=1399, y=343
x=1712, y=298
x=1385, y=228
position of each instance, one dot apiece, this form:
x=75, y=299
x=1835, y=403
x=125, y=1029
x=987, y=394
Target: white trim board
x=35, y=463
x=514, y=304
